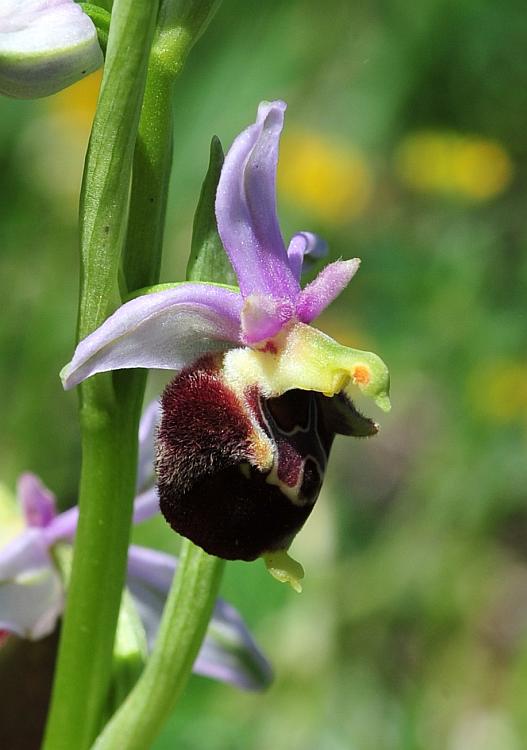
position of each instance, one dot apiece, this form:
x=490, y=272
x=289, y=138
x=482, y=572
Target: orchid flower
x=260, y=393
x=32, y=589
x=45, y=45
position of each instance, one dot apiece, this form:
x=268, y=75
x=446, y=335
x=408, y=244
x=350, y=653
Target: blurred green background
x=405, y=145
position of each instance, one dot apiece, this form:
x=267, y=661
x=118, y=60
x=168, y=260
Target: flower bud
x=45, y=46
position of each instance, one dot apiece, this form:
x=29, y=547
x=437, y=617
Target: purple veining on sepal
x=161, y=330
x=304, y=246
x=38, y=503
x=246, y=208
x=321, y=292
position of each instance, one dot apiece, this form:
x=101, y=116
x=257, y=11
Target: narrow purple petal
x=246, y=208
x=26, y=552
x=146, y=505
x=325, y=288
x=304, y=246
x=147, y=432
x=229, y=653
x=38, y=503
x=262, y=317
x=165, y=330
x=63, y=527
x=151, y=566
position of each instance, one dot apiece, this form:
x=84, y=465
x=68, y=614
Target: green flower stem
x=185, y=619
x=151, y=176
x=110, y=407
x=180, y=25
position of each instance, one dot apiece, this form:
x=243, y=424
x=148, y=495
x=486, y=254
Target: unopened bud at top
x=45, y=46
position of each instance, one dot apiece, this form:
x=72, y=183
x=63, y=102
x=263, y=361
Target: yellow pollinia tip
x=286, y=570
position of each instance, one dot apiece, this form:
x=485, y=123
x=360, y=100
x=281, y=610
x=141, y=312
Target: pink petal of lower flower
x=38, y=503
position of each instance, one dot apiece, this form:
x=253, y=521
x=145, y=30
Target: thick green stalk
x=109, y=407
x=194, y=589
x=151, y=176
x=185, y=619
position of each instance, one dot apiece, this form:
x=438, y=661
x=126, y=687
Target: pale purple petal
x=146, y=505
x=37, y=502
x=31, y=604
x=305, y=246
x=246, y=208
x=147, y=433
x=31, y=596
x=228, y=653
x=262, y=317
x=325, y=288
x=63, y=527
x=151, y=567
x=27, y=551
x=45, y=45
x=169, y=329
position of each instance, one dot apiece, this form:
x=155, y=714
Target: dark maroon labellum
x=240, y=477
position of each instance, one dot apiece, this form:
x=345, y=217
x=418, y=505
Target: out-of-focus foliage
x=405, y=145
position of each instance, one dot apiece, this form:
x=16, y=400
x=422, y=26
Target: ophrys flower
x=249, y=420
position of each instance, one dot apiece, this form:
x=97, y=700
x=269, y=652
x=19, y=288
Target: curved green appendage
x=208, y=259
x=180, y=25
x=286, y=570
x=101, y=20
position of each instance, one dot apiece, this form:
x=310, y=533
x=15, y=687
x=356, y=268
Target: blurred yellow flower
x=54, y=144
x=76, y=104
x=11, y=521
x=467, y=166
x=502, y=396
x=330, y=180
